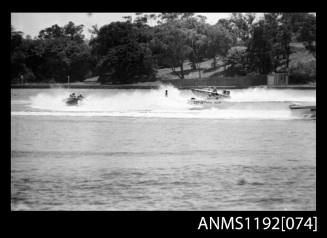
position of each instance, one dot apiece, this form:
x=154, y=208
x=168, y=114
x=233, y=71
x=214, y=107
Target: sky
x=32, y=23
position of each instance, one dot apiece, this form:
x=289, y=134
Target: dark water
x=92, y=162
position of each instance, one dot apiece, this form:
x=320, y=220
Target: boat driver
x=214, y=92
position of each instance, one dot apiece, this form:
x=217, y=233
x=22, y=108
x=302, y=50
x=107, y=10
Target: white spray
x=253, y=103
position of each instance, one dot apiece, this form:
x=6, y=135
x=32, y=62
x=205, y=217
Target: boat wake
x=253, y=103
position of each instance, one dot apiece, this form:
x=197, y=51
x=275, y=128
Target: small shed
x=277, y=79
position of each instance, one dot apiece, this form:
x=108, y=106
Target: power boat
x=210, y=97
x=303, y=110
x=298, y=106
x=73, y=100
x=212, y=93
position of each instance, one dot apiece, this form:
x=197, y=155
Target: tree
x=259, y=51
x=196, y=41
x=271, y=26
x=16, y=38
x=236, y=61
x=195, y=29
x=94, y=30
x=69, y=31
x=242, y=25
x=34, y=52
x=128, y=18
x=171, y=46
x=56, y=53
x=123, y=53
x=52, y=32
x=269, y=46
x=17, y=55
x=173, y=16
x=284, y=37
x=74, y=32
x=64, y=53
x=278, y=31
x=227, y=25
x=219, y=41
x=307, y=33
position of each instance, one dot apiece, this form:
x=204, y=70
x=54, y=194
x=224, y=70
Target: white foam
x=272, y=95
x=253, y=103
x=125, y=100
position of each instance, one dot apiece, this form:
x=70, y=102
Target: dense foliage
x=132, y=51
x=123, y=53
x=56, y=53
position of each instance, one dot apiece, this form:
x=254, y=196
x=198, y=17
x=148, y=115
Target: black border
x=152, y=222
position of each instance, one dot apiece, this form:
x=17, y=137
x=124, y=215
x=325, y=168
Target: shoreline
x=131, y=86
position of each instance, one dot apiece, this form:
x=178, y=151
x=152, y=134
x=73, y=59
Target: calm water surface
x=95, y=162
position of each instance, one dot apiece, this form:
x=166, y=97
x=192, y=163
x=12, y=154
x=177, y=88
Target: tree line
x=132, y=51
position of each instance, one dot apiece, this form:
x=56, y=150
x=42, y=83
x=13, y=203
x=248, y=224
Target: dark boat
x=297, y=106
x=72, y=100
x=304, y=110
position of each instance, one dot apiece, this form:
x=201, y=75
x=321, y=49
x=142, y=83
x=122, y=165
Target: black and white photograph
x=163, y=111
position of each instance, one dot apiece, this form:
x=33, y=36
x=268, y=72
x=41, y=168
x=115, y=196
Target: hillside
x=299, y=55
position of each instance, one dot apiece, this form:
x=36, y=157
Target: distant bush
x=236, y=62
x=29, y=75
x=52, y=80
x=303, y=72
